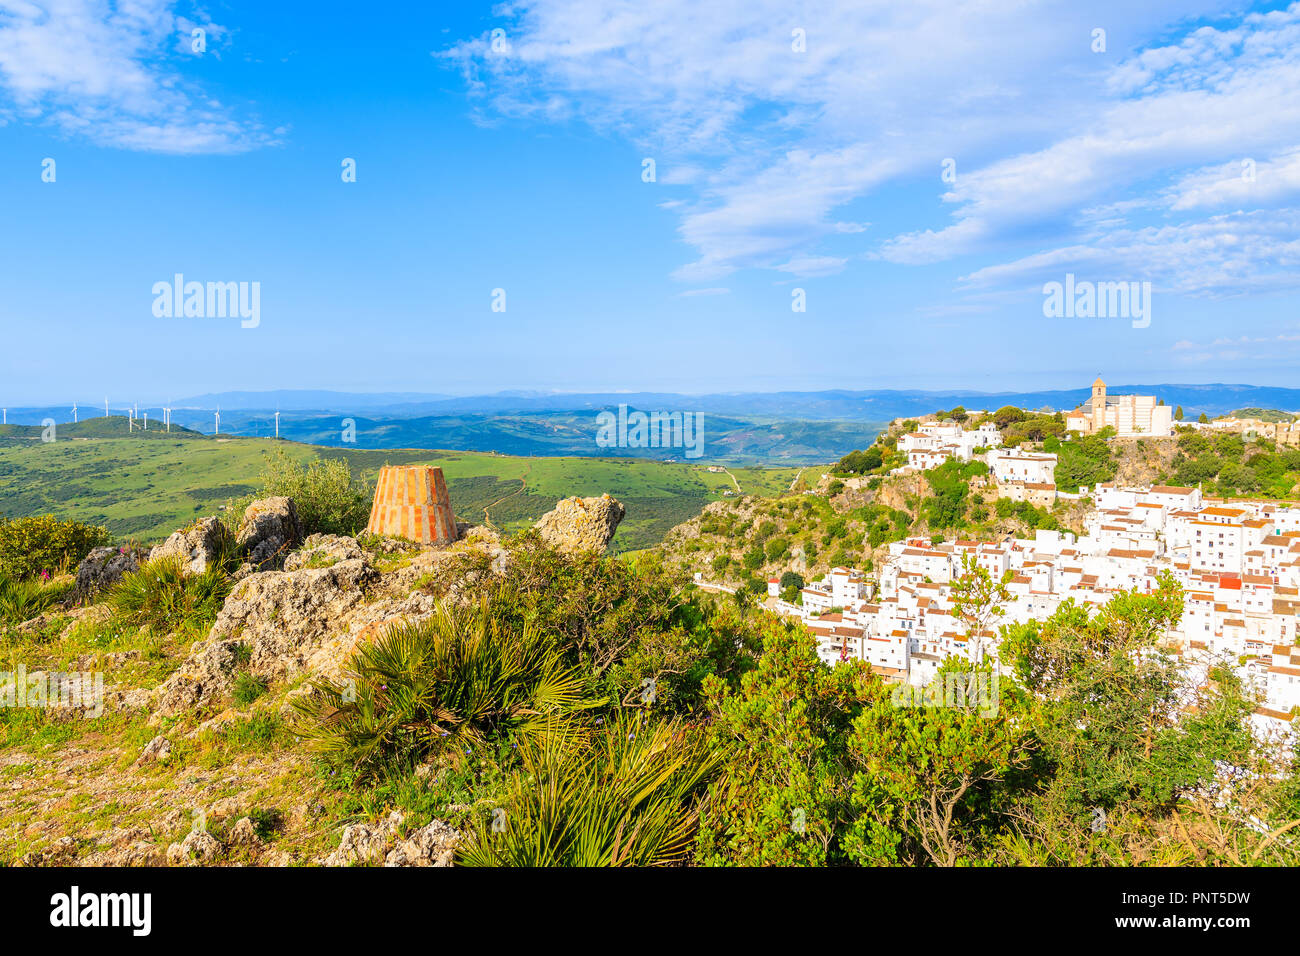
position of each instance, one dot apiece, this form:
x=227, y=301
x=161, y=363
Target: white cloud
x=111, y=72
x=1239, y=183
x=1054, y=144
x=1228, y=254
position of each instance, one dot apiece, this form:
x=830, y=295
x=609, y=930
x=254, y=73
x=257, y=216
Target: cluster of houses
x=1020, y=475
x=937, y=442
x=1238, y=562
x=1285, y=434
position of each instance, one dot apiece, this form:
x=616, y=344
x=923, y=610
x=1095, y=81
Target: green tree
x=932, y=780
x=781, y=796
x=1112, y=719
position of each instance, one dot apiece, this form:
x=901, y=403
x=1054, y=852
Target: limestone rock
x=285, y=617
x=202, y=677
x=139, y=853
x=158, y=749
x=323, y=550
x=199, y=547
x=269, y=530
x=62, y=852
x=278, y=620
x=364, y=843
x=243, y=833
x=434, y=845
x=198, y=847
x=367, y=624
x=581, y=524
x=101, y=569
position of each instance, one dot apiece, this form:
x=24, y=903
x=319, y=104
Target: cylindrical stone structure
x=411, y=502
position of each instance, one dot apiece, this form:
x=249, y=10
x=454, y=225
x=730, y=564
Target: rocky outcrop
x=62, y=852
x=206, y=675
x=198, y=847
x=322, y=551
x=274, y=621
x=285, y=617
x=200, y=546
x=434, y=845
x=269, y=530
x=243, y=833
x=371, y=843
x=158, y=749
x=367, y=624
x=101, y=569
x=311, y=617
x=581, y=524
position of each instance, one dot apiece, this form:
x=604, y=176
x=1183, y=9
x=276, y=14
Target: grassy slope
x=145, y=487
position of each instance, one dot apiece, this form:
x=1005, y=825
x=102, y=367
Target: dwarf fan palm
x=623, y=795
x=453, y=680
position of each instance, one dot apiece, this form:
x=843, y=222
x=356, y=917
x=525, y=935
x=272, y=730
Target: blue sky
x=519, y=167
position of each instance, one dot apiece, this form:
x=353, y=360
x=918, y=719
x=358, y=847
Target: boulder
x=286, y=616
x=204, y=676
x=269, y=530
x=370, y=843
x=434, y=845
x=101, y=569
x=581, y=524
x=364, y=843
x=276, y=621
x=198, y=847
x=200, y=546
x=322, y=551
x=243, y=833
x=62, y=852
x=159, y=749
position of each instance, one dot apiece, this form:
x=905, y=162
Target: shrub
x=247, y=689
x=776, y=548
x=454, y=680
x=266, y=822
x=22, y=600
x=621, y=796
x=328, y=499
x=44, y=543
x=163, y=598
x=860, y=462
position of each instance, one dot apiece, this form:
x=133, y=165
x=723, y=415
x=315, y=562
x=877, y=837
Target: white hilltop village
x=1238, y=562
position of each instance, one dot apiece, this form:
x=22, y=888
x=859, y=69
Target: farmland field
x=143, y=486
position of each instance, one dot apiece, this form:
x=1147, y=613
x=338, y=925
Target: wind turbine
x=277, y=424
x=74, y=413
x=105, y=406
x=146, y=419
x=6, y=417
x=167, y=418
x=218, y=431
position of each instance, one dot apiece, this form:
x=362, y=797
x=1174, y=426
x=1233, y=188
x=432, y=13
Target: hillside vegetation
x=144, y=485
x=503, y=703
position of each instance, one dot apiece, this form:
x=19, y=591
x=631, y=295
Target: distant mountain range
x=836, y=404
x=761, y=427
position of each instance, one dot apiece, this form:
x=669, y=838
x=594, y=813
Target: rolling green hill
x=145, y=485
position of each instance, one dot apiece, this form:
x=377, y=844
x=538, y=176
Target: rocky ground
x=191, y=758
